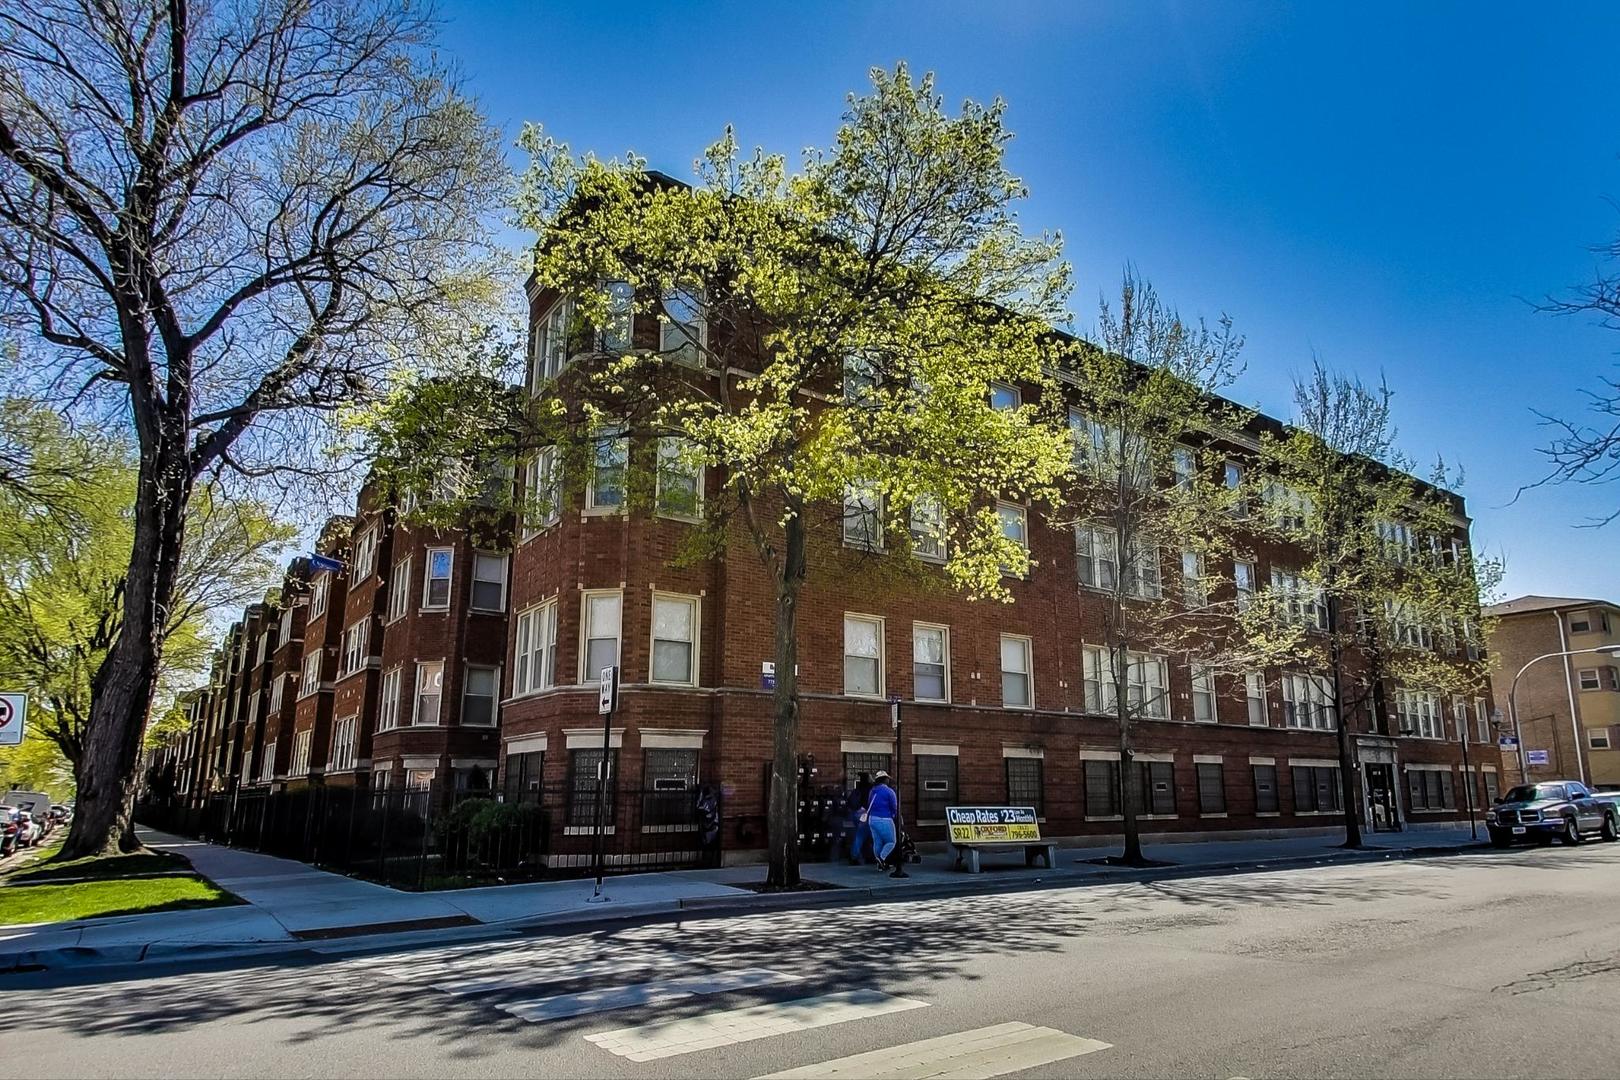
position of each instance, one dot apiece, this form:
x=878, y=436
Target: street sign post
x=607, y=700
x=13, y=718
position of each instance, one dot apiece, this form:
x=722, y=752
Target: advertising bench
x=976, y=829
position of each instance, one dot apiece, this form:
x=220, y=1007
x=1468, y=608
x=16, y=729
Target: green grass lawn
x=49, y=889
x=89, y=899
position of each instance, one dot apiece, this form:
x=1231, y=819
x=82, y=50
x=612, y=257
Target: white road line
x=538, y=974
x=536, y=956
x=966, y=1055
x=672, y=1037
x=624, y=997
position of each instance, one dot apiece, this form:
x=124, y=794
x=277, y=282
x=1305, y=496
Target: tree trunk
x=1347, y=765
x=782, y=823
x=121, y=691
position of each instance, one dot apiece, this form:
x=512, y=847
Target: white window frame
x=927, y=524
x=1088, y=539
x=1018, y=515
x=276, y=684
x=1304, y=605
x=1202, y=677
x=1597, y=680
x=586, y=636
x=534, y=649
x=319, y=587
x=345, y=737
x=365, y=554
x=399, y=590
x=542, y=471
x=1254, y=694
x=551, y=332
x=1027, y=647
x=423, y=666
x=1194, y=588
x=685, y=337
x=619, y=444
x=863, y=503
x=428, y=579
x=1017, y=395
x=388, y=699
x=695, y=605
x=618, y=331
x=472, y=589
x=671, y=451
x=1183, y=466
x=1311, y=699
x=1596, y=733
x=944, y=633
x=300, y=753
x=1100, y=692
x=1233, y=475
x=877, y=622
x=355, y=644
x=1419, y=710
x=308, y=685
x=1244, y=595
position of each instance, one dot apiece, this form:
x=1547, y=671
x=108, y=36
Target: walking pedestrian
x=881, y=811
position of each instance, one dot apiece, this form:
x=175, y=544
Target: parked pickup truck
x=1565, y=809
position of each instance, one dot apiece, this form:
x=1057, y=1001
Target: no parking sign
x=13, y=715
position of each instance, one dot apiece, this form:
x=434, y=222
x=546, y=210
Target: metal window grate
x=1102, y=788
x=1211, y=788
x=936, y=785
x=1025, y=786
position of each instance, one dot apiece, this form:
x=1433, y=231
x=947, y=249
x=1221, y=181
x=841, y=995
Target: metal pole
x=1468, y=778
x=601, y=796
x=894, y=715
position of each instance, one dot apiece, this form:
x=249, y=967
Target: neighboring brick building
x=313, y=685
x=1568, y=706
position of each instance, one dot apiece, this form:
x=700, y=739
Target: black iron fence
x=435, y=838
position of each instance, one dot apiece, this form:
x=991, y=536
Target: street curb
x=75, y=957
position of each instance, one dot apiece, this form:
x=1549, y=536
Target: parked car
x=28, y=831
x=1564, y=809
x=10, y=829
x=60, y=815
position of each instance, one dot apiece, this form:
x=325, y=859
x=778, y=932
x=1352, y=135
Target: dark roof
x=1524, y=605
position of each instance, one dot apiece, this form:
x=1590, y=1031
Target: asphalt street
x=1487, y=964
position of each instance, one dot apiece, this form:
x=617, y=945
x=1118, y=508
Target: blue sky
x=1382, y=185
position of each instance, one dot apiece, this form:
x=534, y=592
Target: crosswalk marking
x=532, y=974
x=965, y=1055
x=672, y=1037
x=624, y=997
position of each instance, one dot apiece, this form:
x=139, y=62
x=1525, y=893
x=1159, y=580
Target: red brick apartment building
x=1000, y=702
x=429, y=658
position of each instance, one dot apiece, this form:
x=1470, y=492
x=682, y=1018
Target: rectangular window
x=317, y=595
x=600, y=626
x=388, y=703
x=1265, y=789
x=674, y=640
x=1017, y=689
x=669, y=776
x=1316, y=789
x=1097, y=552
x=343, y=743
x=264, y=647
x=618, y=329
x=1193, y=592
x=542, y=492
x=1254, y=689
x=552, y=346
x=1158, y=788
x=936, y=785
x=1211, y=788
x=1492, y=788
x=1307, y=702
x=1102, y=789
x=1302, y=601
x=1483, y=719
x=857, y=763
x=521, y=776
x=479, y=694
x=1025, y=783
x=1142, y=578
x=928, y=529
x=365, y=554
x=1004, y=397
x=863, y=656
x=1288, y=508
x=399, y=590
x=684, y=328
x=534, y=653
x=1184, y=465
x=860, y=378
x=286, y=626
x=1580, y=623
x=930, y=663
x=429, y=692
x=1243, y=582
x=1232, y=476
x=1145, y=679
x=610, y=457
x=1597, y=738
x=267, y=770
x=1014, y=525
x=489, y=582
x=680, y=480
x=1203, y=693
x=1419, y=714
x=311, y=680
x=584, y=776
x=1589, y=679
x=354, y=648
x=1431, y=789
x=275, y=695
x=863, y=518
x=300, y=758
x=436, y=587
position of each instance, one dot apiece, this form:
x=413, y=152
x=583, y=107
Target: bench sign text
x=993, y=824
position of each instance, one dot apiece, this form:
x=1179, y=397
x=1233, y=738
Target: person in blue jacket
x=881, y=811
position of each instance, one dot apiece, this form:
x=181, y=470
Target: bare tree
x=218, y=223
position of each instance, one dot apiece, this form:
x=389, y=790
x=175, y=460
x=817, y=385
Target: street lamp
x=1574, y=726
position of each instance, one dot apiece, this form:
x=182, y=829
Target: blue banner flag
x=323, y=562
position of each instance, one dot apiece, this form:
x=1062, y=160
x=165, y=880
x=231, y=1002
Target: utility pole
x=606, y=702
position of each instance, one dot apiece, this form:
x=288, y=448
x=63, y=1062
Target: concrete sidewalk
x=290, y=903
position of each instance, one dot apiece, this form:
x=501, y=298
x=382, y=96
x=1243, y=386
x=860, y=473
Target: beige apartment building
x=1569, y=704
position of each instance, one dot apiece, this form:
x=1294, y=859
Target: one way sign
x=13, y=715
